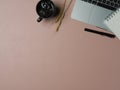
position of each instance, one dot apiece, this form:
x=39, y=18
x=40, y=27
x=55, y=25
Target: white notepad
x=113, y=22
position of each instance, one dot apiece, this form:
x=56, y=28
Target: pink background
x=35, y=57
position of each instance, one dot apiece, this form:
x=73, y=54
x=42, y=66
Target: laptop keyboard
x=108, y=4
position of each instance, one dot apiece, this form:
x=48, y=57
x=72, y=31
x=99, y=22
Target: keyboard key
x=112, y=4
x=100, y=0
x=89, y=1
x=116, y=5
x=108, y=2
x=115, y=1
x=94, y=2
x=118, y=1
x=111, y=0
x=104, y=1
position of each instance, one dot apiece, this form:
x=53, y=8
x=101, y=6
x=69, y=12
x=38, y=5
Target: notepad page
x=113, y=23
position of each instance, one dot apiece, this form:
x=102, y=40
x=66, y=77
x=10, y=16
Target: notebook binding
x=112, y=14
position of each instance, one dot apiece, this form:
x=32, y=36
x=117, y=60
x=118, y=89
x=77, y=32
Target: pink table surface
x=33, y=56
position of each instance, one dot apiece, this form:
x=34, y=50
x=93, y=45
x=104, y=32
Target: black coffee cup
x=46, y=9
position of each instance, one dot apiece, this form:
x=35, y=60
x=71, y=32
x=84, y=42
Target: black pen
x=100, y=33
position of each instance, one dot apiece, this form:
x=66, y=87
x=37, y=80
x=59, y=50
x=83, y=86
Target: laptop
x=94, y=12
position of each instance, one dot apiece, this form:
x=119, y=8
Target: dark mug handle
x=39, y=19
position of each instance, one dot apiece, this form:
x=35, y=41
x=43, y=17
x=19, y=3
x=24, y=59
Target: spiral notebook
x=112, y=21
